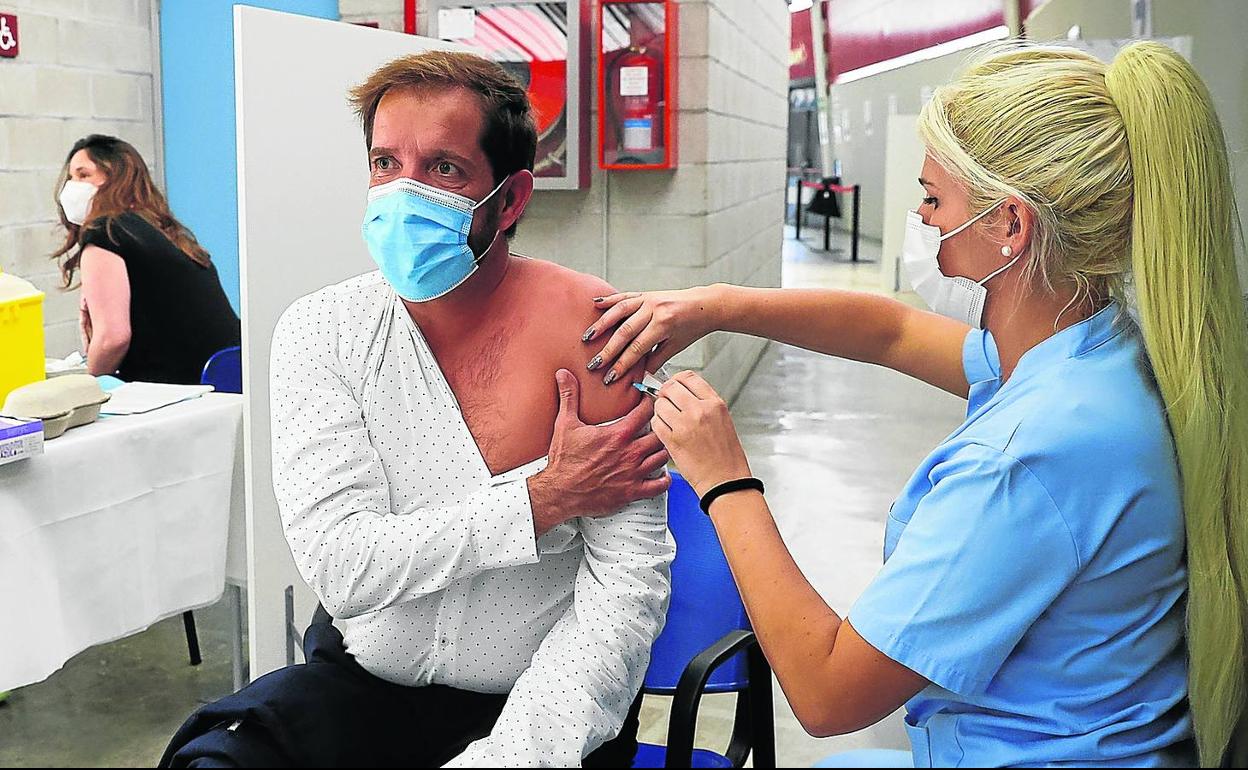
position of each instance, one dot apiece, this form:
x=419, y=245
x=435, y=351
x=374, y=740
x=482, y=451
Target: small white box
x=20, y=439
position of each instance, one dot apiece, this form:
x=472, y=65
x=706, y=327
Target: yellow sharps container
x=21, y=334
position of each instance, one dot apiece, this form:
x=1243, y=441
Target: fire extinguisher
x=636, y=99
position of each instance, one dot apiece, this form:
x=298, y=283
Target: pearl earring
x=1006, y=251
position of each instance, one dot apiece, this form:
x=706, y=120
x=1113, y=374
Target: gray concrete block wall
x=85, y=67
x=746, y=117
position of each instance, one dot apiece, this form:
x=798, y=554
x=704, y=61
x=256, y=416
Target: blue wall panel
x=197, y=74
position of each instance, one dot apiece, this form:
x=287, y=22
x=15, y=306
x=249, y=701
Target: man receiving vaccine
x=485, y=528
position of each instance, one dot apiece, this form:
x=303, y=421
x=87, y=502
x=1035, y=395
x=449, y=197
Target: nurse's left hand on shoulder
x=693, y=423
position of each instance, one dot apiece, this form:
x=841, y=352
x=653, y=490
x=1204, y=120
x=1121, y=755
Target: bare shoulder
x=98, y=263
x=571, y=285
x=94, y=252
x=566, y=310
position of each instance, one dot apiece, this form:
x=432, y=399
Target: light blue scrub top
x=1034, y=565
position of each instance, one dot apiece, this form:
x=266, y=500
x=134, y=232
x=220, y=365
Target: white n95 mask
x=954, y=296
x=75, y=199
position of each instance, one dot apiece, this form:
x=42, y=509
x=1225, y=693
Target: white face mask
x=76, y=198
x=959, y=298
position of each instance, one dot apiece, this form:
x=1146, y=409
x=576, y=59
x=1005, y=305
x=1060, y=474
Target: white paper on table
x=74, y=363
x=140, y=397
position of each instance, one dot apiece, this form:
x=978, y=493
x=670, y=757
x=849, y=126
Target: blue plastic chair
x=224, y=371
x=707, y=646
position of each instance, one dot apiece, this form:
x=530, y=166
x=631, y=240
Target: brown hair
x=129, y=187
x=509, y=139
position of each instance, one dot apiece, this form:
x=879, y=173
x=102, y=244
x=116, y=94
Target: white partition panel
x=302, y=177
x=903, y=163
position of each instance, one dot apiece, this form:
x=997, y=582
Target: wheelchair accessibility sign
x=8, y=35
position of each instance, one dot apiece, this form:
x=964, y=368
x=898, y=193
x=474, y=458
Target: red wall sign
x=862, y=32
x=801, y=48
x=8, y=36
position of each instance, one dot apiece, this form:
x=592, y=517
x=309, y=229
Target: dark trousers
x=330, y=712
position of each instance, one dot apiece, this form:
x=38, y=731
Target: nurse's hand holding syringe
x=847, y=324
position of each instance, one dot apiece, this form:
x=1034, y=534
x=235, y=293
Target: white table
x=117, y=525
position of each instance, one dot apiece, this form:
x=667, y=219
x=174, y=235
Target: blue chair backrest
x=705, y=602
x=224, y=371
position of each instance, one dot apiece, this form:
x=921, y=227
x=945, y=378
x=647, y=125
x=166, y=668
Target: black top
x=179, y=315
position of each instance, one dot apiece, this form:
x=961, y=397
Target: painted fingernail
x=610, y=378
x=597, y=362
x=598, y=299
x=588, y=335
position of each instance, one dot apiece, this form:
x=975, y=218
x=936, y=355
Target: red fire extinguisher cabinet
x=637, y=76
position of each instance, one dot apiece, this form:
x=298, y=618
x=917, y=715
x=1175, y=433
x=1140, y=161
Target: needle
x=647, y=389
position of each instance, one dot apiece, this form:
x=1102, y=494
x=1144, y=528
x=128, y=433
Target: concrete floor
x=834, y=441
x=117, y=705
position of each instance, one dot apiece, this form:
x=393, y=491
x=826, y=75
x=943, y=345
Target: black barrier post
x=854, y=248
x=797, y=212
x=827, y=220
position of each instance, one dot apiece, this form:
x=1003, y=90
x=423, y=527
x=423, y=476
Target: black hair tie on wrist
x=728, y=486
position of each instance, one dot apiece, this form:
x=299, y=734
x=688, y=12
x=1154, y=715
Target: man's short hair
x=509, y=139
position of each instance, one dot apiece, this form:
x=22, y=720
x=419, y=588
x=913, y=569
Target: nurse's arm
x=848, y=324
x=106, y=293
x=854, y=325
x=835, y=681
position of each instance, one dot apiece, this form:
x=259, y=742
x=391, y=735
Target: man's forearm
x=545, y=504
x=581, y=681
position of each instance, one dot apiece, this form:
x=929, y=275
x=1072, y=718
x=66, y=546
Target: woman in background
x=152, y=305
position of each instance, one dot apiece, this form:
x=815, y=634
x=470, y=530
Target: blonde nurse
x=1064, y=575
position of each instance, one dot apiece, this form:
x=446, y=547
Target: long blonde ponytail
x=1193, y=319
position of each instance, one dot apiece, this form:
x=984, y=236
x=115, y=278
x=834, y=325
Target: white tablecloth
x=119, y=524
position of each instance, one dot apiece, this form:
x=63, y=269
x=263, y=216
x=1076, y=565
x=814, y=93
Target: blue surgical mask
x=418, y=236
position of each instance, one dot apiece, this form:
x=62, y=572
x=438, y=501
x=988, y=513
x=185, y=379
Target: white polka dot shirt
x=429, y=561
